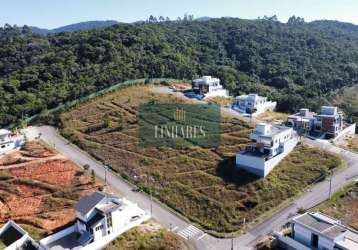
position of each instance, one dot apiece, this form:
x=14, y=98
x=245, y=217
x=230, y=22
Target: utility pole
x=151, y=202
x=330, y=185
x=105, y=174
x=232, y=243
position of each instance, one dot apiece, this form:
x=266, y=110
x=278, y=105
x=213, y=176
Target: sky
x=56, y=13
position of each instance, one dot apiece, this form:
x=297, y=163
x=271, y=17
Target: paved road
x=195, y=236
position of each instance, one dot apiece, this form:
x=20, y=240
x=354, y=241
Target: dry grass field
x=202, y=184
x=148, y=236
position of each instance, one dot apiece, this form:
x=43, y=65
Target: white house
x=209, y=87
x=271, y=143
x=318, y=231
x=252, y=104
x=13, y=237
x=100, y=218
x=8, y=141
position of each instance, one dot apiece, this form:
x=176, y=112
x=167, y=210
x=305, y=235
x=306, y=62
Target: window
x=109, y=220
x=99, y=227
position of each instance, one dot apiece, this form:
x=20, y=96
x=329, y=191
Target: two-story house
x=271, y=143
x=252, y=104
x=329, y=121
x=209, y=87
x=101, y=214
x=100, y=218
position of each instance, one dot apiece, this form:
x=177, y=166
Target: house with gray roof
x=318, y=231
x=100, y=218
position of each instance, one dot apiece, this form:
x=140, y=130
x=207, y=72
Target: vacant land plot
x=148, y=236
x=350, y=143
x=38, y=188
x=273, y=117
x=344, y=206
x=202, y=184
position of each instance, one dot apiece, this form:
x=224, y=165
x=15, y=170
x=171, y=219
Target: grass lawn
x=202, y=184
x=2, y=245
x=343, y=206
x=221, y=101
x=34, y=232
x=140, y=238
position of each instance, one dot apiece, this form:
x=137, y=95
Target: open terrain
x=343, y=206
x=38, y=188
x=273, y=117
x=202, y=184
x=349, y=143
x=148, y=236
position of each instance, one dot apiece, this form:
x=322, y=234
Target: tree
x=93, y=176
x=161, y=19
x=152, y=19
x=293, y=20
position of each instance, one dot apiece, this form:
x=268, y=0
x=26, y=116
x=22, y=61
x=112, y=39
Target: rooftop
x=110, y=207
x=322, y=224
x=206, y=79
x=250, y=97
x=4, y=132
x=264, y=129
x=89, y=202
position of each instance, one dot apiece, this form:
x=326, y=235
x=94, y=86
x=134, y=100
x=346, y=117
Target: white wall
x=289, y=242
x=348, y=131
x=258, y=165
x=218, y=92
x=324, y=243
x=302, y=235
x=271, y=163
x=7, y=147
x=255, y=165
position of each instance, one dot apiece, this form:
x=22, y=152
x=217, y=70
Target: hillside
x=297, y=64
x=201, y=183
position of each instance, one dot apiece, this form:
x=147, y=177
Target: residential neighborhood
x=181, y=125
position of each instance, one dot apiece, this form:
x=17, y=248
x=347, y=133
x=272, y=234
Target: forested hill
x=298, y=64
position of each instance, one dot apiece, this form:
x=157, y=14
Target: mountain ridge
x=86, y=25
